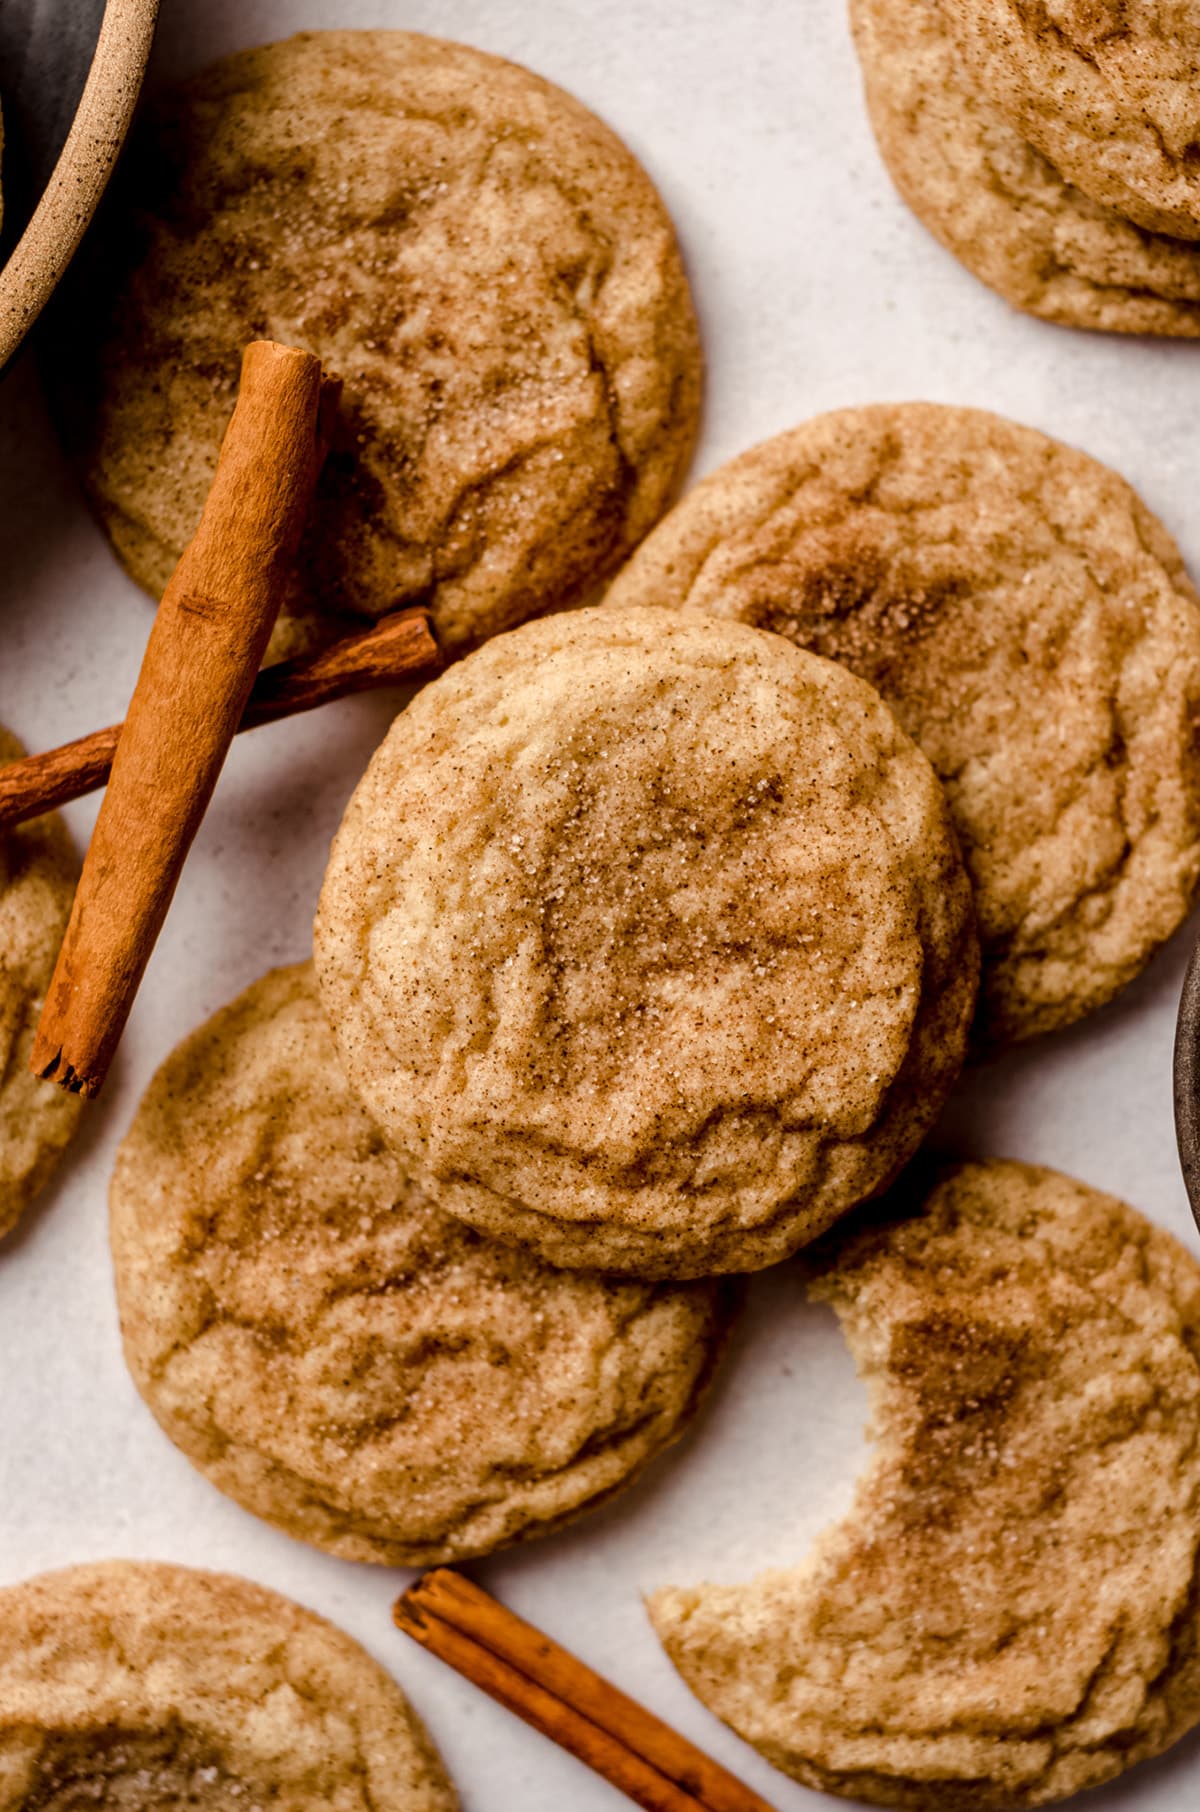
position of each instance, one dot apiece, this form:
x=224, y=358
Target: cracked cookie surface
x=134, y=1686
x=479, y=259
x=1108, y=90
x=1032, y=626
x=37, y=884
x=1010, y=1612
x=996, y=203
x=342, y=1358
x=647, y=938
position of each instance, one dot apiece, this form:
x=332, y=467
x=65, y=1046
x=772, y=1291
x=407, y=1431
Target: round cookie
x=1032, y=626
x=647, y=938
x=338, y=1355
x=1109, y=91
x=1009, y=1613
x=480, y=260
x=996, y=203
x=140, y=1686
x=37, y=885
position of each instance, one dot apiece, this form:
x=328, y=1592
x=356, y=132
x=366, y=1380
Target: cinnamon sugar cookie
x=481, y=261
x=1010, y=1612
x=1108, y=90
x=37, y=885
x=139, y=1686
x=646, y=938
x=341, y=1357
x=995, y=201
x=1032, y=626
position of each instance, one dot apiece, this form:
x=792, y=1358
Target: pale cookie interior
x=1010, y=1612
x=138, y=1686
x=647, y=939
x=339, y=1355
x=1032, y=626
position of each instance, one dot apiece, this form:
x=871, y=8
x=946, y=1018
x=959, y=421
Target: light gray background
x=816, y=288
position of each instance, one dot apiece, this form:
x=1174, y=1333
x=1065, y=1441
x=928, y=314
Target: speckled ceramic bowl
x=70, y=73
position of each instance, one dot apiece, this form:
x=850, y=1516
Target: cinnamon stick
x=208, y=639
x=399, y=645
x=556, y=1693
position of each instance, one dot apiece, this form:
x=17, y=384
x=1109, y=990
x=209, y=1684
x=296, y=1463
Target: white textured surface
x=815, y=289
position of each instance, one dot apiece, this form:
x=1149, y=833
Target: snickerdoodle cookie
x=1032, y=626
x=37, y=885
x=139, y=1686
x=995, y=201
x=1108, y=90
x=1010, y=1612
x=646, y=938
x=481, y=261
x=339, y=1356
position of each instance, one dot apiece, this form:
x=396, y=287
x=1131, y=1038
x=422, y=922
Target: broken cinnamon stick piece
x=209, y=636
x=400, y=645
x=561, y=1696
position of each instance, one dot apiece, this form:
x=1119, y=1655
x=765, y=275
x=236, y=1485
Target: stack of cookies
x=653, y=940
x=1032, y=626
x=647, y=951
x=1053, y=149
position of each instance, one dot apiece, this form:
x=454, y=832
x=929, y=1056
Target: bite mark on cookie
x=1010, y=1612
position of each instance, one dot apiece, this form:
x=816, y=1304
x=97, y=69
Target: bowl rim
x=85, y=163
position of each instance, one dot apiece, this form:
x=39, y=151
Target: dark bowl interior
x=46, y=51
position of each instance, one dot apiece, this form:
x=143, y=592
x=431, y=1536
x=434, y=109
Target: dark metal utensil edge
x=1186, y=1072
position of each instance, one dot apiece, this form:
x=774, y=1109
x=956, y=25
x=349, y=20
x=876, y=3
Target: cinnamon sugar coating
x=482, y=262
x=1010, y=1612
x=1032, y=626
x=137, y=1686
x=996, y=202
x=341, y=1357
x=37, y=884
x=1108, y=90
x=646, y=938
